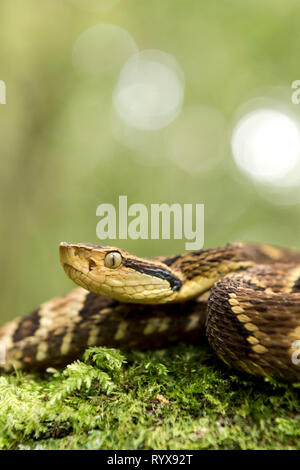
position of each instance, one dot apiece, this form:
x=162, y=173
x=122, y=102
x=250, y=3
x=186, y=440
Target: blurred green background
x=64, y=152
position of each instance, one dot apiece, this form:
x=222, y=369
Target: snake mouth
x=80, y=278
x=72, y=272
x=69, y=268
x=73, y=265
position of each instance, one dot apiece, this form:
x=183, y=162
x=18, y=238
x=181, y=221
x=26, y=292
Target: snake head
x=115, y=273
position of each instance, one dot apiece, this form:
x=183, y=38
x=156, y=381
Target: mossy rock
x=178, y=398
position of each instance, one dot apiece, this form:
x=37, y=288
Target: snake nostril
x=92, y=264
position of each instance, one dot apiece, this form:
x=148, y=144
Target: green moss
x=180, y=398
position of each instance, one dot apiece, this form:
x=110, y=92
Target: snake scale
x=244, y=297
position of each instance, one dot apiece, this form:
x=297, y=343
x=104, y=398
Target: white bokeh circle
x=150, y=90
x=266, y=146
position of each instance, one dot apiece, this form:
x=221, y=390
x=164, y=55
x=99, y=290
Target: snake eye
x=113, y=260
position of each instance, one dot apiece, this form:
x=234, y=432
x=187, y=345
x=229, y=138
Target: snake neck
x=200, y=270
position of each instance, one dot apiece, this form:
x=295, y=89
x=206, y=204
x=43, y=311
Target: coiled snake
x=245, y=297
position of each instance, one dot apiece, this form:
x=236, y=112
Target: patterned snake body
x=245, y=297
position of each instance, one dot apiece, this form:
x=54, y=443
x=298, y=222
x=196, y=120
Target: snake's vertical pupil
x=113, y=260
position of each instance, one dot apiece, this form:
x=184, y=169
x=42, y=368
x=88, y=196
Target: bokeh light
x=101, y=51
x=266, y=146
x=150, y=90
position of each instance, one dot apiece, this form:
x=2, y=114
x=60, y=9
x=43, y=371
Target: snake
x=243, y=297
